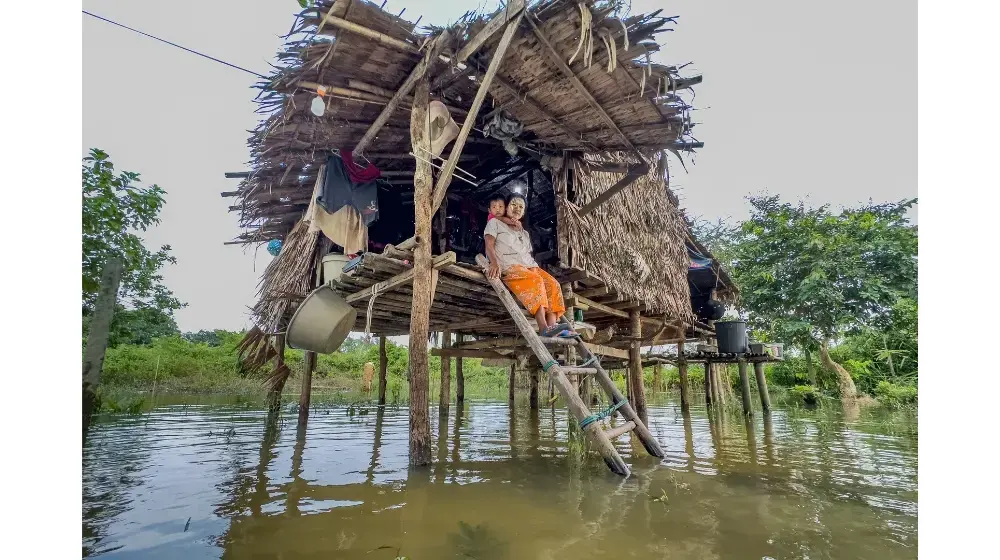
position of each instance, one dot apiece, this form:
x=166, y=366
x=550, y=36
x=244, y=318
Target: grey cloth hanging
x=505, y=129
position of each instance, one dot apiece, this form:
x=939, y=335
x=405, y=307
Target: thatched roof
x=640, y=99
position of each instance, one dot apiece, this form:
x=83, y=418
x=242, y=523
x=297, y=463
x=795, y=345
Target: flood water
x=209, y=481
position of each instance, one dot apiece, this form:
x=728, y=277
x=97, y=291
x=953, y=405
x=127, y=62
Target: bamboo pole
x=382, y=38
x=510, y=384
x=708, y=383
x=305, y=395
x=420, y=437
x=635, y=368
x=383, y=366
x=444, y=179
x=444, y=400
x=274, y=395
x=459, y=376
x=682, y=371
x=765, y=398
x=533, y=389
x=745, y=388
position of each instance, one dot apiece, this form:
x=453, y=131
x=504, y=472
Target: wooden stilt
x=274, y=395
x=97, y=337
x=765, y=398
x=657, y=377
x=510, y=389
x=708, y=383
x=305, y=395
x=718, y=391
x=459, y=376
x=682, y=368
x=745, y=388
x=445, y=397
x=420, y=438
x=682, y=373
x=533, y=392
x=635, y=367
x=383, y=365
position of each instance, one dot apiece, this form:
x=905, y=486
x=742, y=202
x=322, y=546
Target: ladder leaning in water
x=557, y=373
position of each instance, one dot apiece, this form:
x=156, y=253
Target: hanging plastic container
x=322, y=322
x=732, y=336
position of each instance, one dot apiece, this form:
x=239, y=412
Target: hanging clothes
x=357, y=173
x=505, y=129
x=339, y=191
x=345, y=228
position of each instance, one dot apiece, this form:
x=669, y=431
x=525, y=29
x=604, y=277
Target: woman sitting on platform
x=509, y=251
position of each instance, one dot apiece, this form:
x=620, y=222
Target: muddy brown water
x=210, y=481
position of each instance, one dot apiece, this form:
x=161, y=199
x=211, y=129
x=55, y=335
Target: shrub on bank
x=894, y=396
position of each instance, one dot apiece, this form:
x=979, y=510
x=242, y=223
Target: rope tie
x=376, y=290
x=549, y=364
x=602, y=414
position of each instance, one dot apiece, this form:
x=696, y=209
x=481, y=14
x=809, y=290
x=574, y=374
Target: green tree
x=720, y=237
x=810, y=276
x=114, y=209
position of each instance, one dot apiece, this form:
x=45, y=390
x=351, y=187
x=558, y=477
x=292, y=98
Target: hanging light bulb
x=318, y=106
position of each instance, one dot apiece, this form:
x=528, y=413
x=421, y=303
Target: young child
x=498, y=210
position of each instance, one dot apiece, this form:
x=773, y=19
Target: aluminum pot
x=322, y=322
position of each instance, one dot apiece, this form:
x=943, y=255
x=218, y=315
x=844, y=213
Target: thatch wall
x=635, y=241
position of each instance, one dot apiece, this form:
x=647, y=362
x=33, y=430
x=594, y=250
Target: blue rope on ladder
x=602, y=415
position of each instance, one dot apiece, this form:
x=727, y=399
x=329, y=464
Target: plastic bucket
x=732, y=337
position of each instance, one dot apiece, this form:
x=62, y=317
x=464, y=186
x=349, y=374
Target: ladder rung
x=570, y=370
x=558, y=340
x=615, y=432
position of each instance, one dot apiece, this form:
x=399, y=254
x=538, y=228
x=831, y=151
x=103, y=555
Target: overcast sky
x=806, y=100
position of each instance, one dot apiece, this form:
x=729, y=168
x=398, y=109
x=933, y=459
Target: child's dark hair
x=497, y=197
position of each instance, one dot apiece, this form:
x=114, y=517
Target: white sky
x=801, y=99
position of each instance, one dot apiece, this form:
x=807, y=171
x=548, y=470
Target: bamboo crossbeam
x=382, y=38
x=594, y=306
x=625, y=181
x=404, y=90
x=346, y=92
x=400, y=279
x=465, y=353
x=513, y=10
x=618, y=431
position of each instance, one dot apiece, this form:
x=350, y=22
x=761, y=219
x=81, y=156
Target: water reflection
x=506, y=483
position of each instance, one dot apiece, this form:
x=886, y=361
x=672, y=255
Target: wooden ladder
x=558, y=373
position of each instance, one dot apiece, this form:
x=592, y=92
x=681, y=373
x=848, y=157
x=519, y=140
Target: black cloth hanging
x=339, y=191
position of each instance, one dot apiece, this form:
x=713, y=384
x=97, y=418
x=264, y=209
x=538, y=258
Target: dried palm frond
x=635, y=241
x=277, y=378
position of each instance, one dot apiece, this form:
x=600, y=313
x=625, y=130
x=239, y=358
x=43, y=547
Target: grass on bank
x=178, y=365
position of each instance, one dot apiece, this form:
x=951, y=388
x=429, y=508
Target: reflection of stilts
x=441, y=467
x=267, y=454
x=376, y=446
x=614, y=511
x=748, y=423
x=768, y=439
x=688, y=438
x=297, y=486
x=456, y=438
